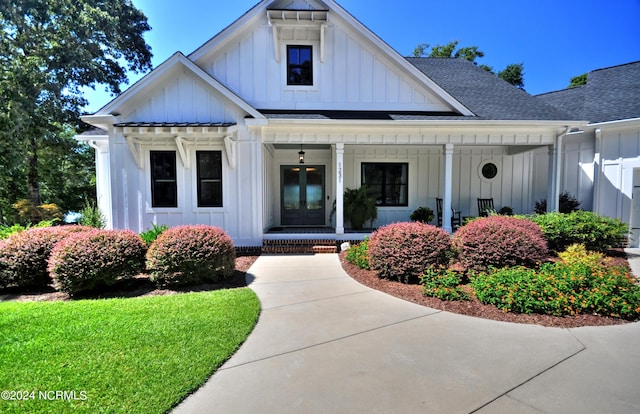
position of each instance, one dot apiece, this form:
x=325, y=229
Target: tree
x=513, y=74
x=49, y=51
x=579, y=80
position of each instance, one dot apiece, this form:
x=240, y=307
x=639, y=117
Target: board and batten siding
x=354, y=74
x=619, y=160
x=183, y=97
x=521, y=180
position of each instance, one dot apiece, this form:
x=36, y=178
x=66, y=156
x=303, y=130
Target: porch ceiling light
x=301, y=155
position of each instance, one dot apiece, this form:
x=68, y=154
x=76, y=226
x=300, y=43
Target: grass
x=138, y=355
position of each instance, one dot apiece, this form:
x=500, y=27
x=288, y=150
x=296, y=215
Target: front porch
x=308, y=240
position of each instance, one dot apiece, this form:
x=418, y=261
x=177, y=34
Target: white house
x=215, y=137
x=602, y=165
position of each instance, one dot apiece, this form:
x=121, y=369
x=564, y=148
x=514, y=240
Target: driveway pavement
x=326, y=344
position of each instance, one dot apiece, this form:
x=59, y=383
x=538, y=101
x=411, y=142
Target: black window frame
x=307, y=79
x=379, y=190
x=215, y=177
x=163, y=178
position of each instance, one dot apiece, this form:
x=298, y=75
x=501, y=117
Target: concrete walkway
x=327, y=344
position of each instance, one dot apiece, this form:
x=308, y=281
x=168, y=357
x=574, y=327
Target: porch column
x=448, y=184
x=339, y=188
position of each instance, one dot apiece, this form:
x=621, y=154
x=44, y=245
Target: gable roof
x=150, y=79
x=260, y=10
x=488, y=96
x=611, y=94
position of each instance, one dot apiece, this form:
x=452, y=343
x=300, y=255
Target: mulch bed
x=141, y=286
x=137, y=287
x=413, y=293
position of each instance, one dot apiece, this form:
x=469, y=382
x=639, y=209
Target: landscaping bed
x=139, y=286
x=414, y=293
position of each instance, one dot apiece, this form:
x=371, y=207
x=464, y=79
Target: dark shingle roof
x=611, y=94
x=485, y=94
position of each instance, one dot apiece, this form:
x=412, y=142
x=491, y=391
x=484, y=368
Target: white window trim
x=315, y=55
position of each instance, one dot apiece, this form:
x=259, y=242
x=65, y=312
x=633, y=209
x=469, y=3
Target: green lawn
x=138, y=355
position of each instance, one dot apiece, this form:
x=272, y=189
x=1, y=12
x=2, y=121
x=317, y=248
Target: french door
x=302, y=195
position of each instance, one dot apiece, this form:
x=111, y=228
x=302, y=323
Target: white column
x=448, y=184
x=340, y=188
x=551, y=181
x=597, y=170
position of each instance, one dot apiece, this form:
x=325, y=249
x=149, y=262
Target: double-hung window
x=164, y=190
x=386, y=182
x=299, y=65
x=209, y=178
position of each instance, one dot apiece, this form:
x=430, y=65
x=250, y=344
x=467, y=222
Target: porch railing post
x=448, y=184
x=340, y=188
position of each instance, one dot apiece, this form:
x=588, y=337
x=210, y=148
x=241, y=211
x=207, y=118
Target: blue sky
x=555, y=39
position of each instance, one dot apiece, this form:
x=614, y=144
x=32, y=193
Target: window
x=299, y=65
x=209, y=178
x=489, y=171
x=164, y=191
x=386, y=182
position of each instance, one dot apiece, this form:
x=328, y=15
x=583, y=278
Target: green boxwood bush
x=403, y=251
x=583, y=283
x=498, y=241
x=596, y=232
x=190, y=255
x=96, y=258
x=358, y=254
x=24, y=255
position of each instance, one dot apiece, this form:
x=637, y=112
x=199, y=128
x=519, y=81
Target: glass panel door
x=302, y=195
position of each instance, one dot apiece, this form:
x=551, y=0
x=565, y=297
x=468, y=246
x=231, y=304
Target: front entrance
x=302, y=195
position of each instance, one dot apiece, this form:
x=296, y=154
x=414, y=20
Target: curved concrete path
x=326, y=344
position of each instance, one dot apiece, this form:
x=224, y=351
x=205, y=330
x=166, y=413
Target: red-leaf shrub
x=190, y=255
x=97, y=258
x=499, y=241
x=403, y=251
x=24, y=255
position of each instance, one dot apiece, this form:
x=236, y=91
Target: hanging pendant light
x=301, y=155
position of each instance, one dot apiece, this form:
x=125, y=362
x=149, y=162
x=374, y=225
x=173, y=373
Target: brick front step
x=298, y=246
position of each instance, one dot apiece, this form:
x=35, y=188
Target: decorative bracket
x=184, y=155
x=230, y=148
x=134, y=147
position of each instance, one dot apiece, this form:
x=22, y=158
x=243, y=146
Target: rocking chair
x=456, y=220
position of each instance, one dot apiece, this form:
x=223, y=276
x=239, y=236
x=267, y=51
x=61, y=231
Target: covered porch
x=514, y=164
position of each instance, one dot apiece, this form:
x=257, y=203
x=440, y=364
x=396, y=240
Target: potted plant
x=422, y=214
x=359, y=207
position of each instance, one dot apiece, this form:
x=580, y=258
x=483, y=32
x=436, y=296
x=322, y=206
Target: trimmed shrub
x=358, y=254
x=24, y=255
x=595, y=232
x=498, y=241
x=584, y=282
x=190, y=255
x=96, y=258
x=403, y=251
x=443, y=284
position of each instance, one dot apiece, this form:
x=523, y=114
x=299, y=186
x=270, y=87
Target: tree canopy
x=49, y=51
x=513, y=73
x=579, y=80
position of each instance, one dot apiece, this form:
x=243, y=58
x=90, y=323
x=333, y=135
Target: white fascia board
x=619, y=123
x=105, y=121
x=161, y=70
x=467, y=123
